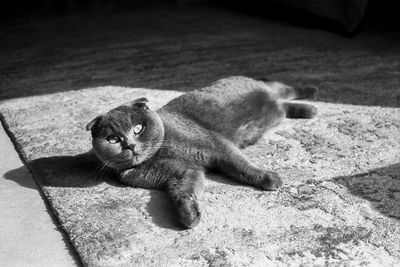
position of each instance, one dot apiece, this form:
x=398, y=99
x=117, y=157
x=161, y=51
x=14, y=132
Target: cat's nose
x=131, y=147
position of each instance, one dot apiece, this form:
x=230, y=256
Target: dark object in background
x=343, y=16
x=349, y=15
x=348, y=12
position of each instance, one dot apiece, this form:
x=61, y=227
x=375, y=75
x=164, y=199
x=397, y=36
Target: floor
x=189, y=47
x=29, y=235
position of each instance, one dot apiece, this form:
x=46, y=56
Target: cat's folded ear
x=139, y=103
x=93, y=122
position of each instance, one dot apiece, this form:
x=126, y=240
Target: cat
x=203, y=130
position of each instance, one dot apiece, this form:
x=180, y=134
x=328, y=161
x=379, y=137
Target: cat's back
x=225, y=105
x=221, y=94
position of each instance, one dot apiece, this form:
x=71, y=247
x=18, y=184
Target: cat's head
x=127, y=135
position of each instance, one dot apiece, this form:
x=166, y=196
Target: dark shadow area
x=276, y=11
x=25, y=11
x=71, y=171
x=223, y=179
x=162, y=211
x=378, y=15
x=381, y=187
x=84, y=171
x=65, y=171
x=19, y=177
x=186, y=47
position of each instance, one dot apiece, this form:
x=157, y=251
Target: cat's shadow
x=64, y=171
x=162, y=211
x=81, y=171
x=58, y=171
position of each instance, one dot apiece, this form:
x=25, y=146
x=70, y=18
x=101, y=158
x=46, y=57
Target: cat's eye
x=113, y=139
x=138, y=129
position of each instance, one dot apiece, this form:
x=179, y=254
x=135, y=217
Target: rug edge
x=47, y=202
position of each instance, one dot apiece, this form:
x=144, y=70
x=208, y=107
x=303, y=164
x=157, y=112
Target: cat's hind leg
x=237, y=166
x=184, y=191
x=299, y=110
x=257, y=120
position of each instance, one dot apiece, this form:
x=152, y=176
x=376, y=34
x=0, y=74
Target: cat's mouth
x=132, y=159
x=126, y=163
x=127, y=155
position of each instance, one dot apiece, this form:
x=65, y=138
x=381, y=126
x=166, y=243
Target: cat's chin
x=136, y=160
x=133, y=161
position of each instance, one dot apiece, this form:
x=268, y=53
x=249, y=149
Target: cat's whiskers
x=98, y=169
x=102, y=169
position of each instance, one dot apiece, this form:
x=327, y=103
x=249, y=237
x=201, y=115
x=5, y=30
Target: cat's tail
x=290, y=93
x=287, y=92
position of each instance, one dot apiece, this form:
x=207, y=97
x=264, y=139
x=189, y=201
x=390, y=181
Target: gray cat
x=171, y=148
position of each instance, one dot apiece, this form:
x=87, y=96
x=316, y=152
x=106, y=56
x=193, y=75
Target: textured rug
x=340, y=203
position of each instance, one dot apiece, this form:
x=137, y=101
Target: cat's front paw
x=188, y=210
x=271, y=181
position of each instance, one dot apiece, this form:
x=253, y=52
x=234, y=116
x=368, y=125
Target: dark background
x=24, y=11
x=49, y=46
